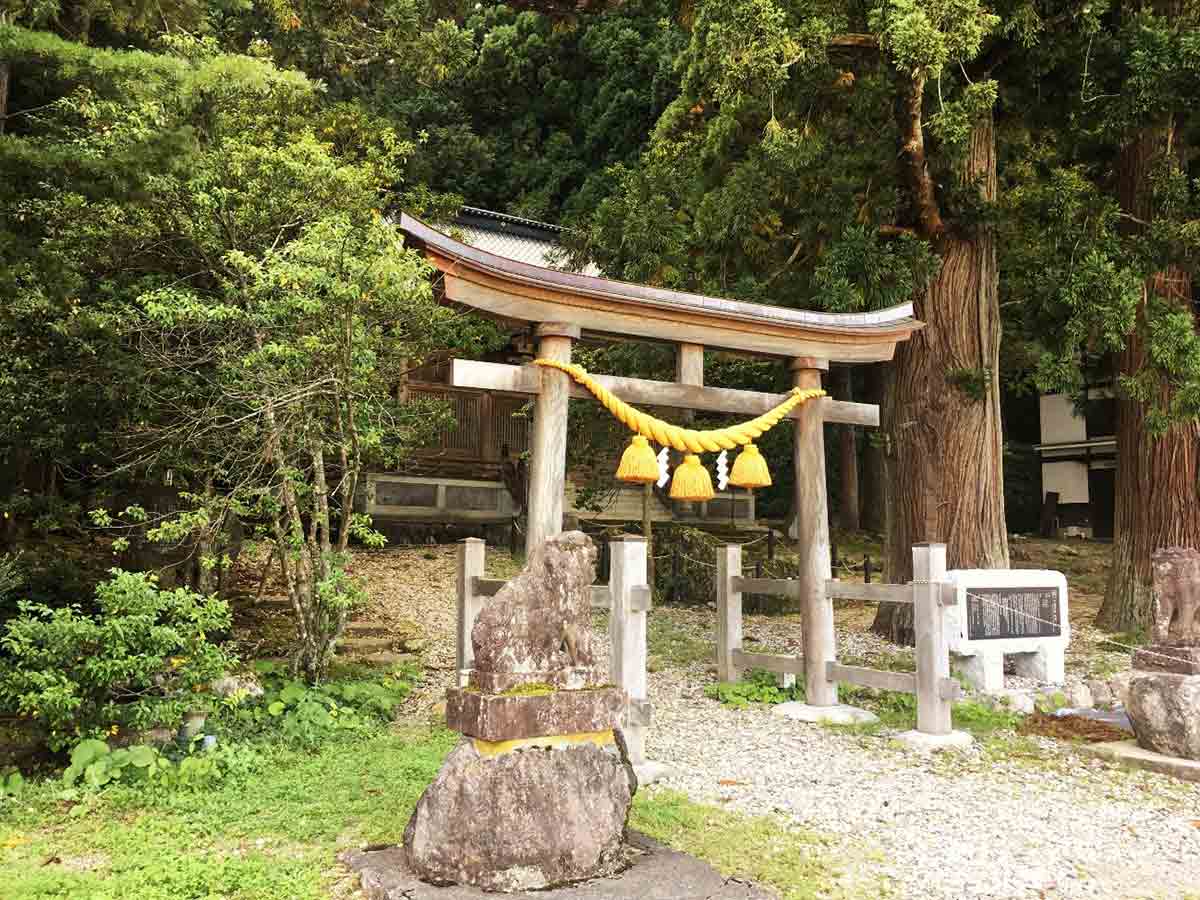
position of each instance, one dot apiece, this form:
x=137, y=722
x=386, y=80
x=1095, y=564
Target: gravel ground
x=1002, y=820
x=962, y=825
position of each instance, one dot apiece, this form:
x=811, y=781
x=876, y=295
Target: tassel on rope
x=750, y=469
x=639, y=465
x=691, y=481
x=683, y=439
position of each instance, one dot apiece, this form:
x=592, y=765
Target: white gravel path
x=948, y=826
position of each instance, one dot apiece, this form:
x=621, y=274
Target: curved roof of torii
x=518, y=291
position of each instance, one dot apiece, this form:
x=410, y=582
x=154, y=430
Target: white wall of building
x=1070, y=479
x=1059, y=422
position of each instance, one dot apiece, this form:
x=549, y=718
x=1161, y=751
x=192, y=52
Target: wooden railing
x=930, y=593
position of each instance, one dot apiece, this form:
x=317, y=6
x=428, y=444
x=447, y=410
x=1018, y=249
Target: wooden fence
x=626, y=597
x=929, y=593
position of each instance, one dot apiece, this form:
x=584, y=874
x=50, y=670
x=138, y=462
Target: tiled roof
x=523, y=240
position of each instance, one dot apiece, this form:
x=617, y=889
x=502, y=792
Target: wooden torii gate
x=563, y=307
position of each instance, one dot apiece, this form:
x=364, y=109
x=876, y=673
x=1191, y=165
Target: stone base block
x=840, y=714
x=522, y=820
x=983, y=671
x=508, y=717
x=1180, y=659
x=1130, y=754
x=920, y=740
x=653, y=872
x=1164, y=709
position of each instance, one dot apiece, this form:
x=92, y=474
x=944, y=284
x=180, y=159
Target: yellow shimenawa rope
x=683, y=439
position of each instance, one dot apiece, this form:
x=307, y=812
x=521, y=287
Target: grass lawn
x=275, y=833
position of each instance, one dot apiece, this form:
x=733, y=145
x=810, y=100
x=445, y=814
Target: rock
x=228, y=685
x=536, y=630
x=1079, y=696
x=523, y=820
x=1119, y=684
x=1164, y=709
x=1177, y=596
x=655, y=872
x=1102, y=695
x=1012, y=700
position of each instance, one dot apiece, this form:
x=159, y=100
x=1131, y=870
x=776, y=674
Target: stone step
x=384, y=658
x=359, y=645
x=367, y=629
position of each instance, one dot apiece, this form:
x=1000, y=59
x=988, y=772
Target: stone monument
x=538, y=791
x=1164, y=693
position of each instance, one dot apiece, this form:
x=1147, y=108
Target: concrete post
x=548, y=440
x=470, y=567
x=812, y=529
x=729, y=611
x=627, y=629
x=933, y=656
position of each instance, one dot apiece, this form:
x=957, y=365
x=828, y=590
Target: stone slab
x=1130, y=754
x=507, y=717
x=655, y=873
x=1178, y=659
x=839, y=714
x=920, y=740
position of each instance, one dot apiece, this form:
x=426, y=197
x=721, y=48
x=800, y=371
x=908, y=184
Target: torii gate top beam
x=507, y=289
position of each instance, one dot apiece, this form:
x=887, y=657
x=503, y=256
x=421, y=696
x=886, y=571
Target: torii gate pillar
x=812, y=532
x=548, y=443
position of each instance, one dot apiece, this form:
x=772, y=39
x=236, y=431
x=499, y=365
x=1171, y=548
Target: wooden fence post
x=729, y=611
x=627, y=628
x=933, y=656
x=470, y=567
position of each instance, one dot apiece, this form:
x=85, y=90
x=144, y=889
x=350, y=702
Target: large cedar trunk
x=848, y=456
x=872, y=498
x=1158, y=478
x=942, y=408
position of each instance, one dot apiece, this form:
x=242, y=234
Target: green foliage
x=95, y=765
x=305, y=716
x=143, y=661
x=755, y=687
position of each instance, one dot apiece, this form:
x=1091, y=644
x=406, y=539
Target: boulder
x=229, y=685
x=521, y=820
x=1164, y=709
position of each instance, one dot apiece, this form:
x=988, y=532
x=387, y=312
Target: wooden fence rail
x=929, y=593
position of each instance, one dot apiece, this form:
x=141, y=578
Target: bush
x=142, y=662
x=306, y=716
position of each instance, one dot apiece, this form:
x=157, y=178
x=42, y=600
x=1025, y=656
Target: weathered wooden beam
x=872, y=593
x=905, y=682
x=772, y=587
x=487, y=376
x=771, y=662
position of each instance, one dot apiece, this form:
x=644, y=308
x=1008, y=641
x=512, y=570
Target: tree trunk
x=942, y=411
x=843, y=389
x=1158, y=478
x=872, y=497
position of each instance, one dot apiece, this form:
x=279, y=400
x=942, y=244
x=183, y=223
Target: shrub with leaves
x=143, y=661
x=305, y=715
